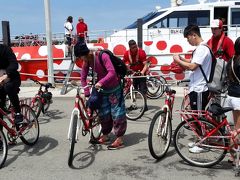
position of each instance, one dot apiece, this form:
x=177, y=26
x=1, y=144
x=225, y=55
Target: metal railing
x=106, y=35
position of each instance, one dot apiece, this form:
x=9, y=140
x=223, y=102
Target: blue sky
x=28, y=16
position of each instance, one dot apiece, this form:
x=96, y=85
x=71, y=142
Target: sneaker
x=197, y=150
x=18, y=118
x=117, y=144
x=102, y=140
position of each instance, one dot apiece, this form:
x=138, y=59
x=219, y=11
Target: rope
x=72, y=77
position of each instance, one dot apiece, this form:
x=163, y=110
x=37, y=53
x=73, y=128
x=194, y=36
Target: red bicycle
x=28, y=131
x=42, y=100
x=203, y=141
x=134, y=100
x=160, y=130
x=80, y=118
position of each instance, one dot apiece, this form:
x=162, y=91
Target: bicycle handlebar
x=47, y=85
x=183, y=81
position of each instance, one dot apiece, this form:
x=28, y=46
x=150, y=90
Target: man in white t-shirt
x=68, y=33
x=198, y=90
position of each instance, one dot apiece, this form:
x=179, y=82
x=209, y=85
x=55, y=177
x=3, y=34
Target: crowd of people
x=223, y=49
x=81, y=32
x=219, y=45
x=112, y=112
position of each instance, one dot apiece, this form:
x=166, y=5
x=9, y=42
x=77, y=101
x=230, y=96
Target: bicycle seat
x=217, y=110
x=48, y=85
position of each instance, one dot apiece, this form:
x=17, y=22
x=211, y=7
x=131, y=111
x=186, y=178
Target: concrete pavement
x=31, y=90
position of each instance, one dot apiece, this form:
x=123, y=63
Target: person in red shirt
x=136, y=60
x=82, y=29
x=221, y=45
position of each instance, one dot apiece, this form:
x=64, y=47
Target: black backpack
x=119, y=65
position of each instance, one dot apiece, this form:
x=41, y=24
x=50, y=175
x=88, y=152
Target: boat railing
x=109, y=36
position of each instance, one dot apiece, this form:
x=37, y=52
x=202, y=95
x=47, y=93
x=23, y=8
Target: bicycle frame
x=80, y=110
x=195, y=114
x=128, y=85
x=10, y=119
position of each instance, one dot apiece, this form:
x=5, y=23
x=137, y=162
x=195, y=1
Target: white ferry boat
x=162, y=35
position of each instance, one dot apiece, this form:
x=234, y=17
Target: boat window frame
x=234, y=10
x=189, y=15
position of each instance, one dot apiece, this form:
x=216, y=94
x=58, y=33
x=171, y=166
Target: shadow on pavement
x=43, y=145
x=84, y=159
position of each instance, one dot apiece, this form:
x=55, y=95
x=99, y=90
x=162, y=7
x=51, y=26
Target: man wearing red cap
x=221, y=45
x=82, y=29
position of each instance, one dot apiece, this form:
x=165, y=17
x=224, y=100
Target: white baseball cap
x=216, y=23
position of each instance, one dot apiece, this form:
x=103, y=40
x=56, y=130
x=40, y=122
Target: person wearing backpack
x=136, y=60
x=201, y=57
x=233, y=79
x=112, y=111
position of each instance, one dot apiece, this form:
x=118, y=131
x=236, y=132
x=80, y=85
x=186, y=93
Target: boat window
x=182, y=19
x=235, y=16
x=145, y=19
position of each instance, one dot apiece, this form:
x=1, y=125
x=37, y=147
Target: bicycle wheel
x=30, y=128
x=72, y=139
x=155, y=88
x=96, y=129
x=159, y=135
x=36, y=105
x=3, y=149
x=185, y=139
x=134, y=104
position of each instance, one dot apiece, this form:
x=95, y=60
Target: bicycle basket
x=47, y=95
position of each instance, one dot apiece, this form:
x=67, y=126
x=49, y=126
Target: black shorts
x=198, y=101
x=68, y=40
x=140, y=84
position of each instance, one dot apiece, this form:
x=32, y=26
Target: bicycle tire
x=134, y=107
x=30, y=127
x=4, y=149
x=201, y=159
x=37, y=106
x=158, y=140
x=72, y=140
x=160, y=88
